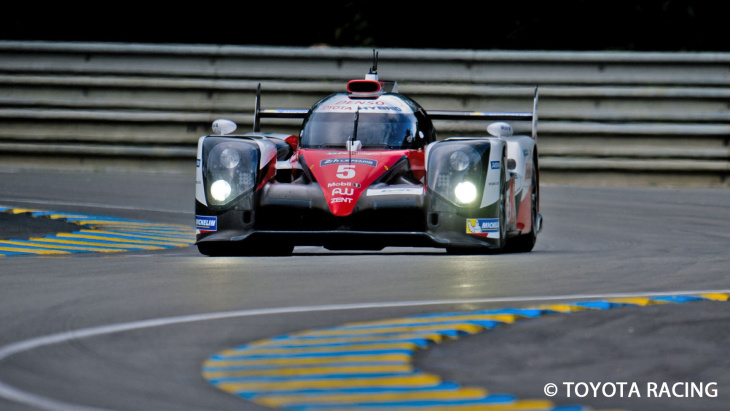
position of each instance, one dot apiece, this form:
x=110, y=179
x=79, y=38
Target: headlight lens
x=457, y=170
x=465, y=192
x=459, y=160
x=220, y=190
x=230, y=169
x=230, y=158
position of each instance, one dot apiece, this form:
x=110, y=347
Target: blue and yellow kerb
x=96, y=233
x=368, y=365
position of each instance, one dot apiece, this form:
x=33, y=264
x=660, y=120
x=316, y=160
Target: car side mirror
x=223, y=126
x=500, y=129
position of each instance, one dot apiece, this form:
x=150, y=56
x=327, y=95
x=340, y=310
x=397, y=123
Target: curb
x=97, y=233
x=368, y=365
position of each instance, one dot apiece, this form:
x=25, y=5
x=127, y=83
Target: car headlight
x=457, y=170
x=230, y=158
x=459, y=160
x=230, y=168
x=220, y=190
x=465, y=192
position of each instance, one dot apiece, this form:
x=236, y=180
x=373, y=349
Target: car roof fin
x=257, y=110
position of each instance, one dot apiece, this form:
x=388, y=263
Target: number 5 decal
x=345, y=171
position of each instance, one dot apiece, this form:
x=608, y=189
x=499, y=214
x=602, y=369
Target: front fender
x=520, y=149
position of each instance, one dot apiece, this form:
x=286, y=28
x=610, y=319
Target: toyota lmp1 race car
x=366, y=172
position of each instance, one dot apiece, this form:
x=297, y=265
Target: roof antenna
x=373, y=74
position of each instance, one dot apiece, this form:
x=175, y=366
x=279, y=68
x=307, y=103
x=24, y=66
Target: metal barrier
x=628, y=118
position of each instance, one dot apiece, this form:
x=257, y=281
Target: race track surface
x=132, y=330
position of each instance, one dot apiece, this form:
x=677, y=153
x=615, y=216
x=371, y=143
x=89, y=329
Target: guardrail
x=645, y=118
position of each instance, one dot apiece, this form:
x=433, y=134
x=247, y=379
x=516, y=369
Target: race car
x=367, y=171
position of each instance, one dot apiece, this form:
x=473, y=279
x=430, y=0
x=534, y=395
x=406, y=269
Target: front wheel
x=502, y=208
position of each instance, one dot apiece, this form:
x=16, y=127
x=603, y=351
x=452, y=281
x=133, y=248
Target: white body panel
x=199, y=187
x=520, y=149
x=492, y=183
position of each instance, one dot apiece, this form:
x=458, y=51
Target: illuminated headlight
x=459, y=160
x=220, y=190
x=230, y=158
x=465, y=192
x=456, y=170
x=230, y=167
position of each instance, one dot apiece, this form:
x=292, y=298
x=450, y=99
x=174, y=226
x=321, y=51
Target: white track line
x=13, y=394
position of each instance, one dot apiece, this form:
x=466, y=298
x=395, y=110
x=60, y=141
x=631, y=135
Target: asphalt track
x=173, y=309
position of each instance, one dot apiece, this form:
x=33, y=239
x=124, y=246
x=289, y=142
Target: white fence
x=656, y=118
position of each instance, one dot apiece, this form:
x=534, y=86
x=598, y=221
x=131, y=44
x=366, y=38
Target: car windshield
x=374, y=130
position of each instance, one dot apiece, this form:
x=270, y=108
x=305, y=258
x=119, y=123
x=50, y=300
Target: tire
x=502, y=209
x=524, y=243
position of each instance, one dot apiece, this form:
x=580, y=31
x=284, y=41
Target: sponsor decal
x=361, y=109
x=353, y=105
x=344, y=184
x=395, y=191
x=340, y=200
x=206, y=223
x=380, y=105
x=494, y=165
x=525, y=153
x=198, y=163
x=360, y=103
x=345, y=153
x=343, y=191
x=334, y=161
x=484, y=227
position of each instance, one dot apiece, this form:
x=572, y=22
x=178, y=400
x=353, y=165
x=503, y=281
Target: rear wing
x=258, y=114
x=433, y=114
x=490, y=115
